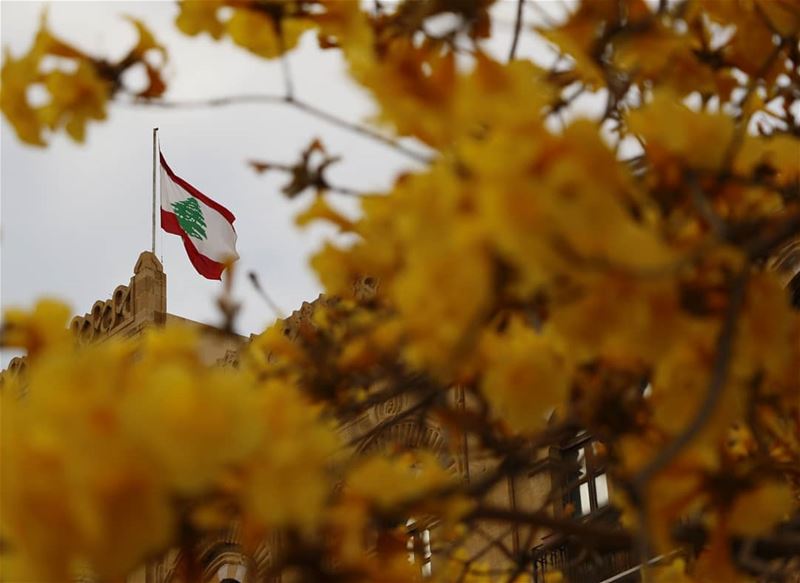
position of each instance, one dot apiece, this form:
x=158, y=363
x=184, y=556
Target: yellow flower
x=146, y=42
x=388, y=482
x=74, y=99
x=783, y=15
x=752, y=42
x=321, y=210
x=41, y=329
x=443, y=325
x=412, y=83
x=200, y=421
x=198, y=16
x=287, y=480
x=767, y=338
x=673, y=133
x=339, y=269
x=585, y=68
x=201, y=417
x=76, y=95
x=651, y=52
x=70, y=459
x=16, y=76
x=547, y=215
x=755, y=512
x=619, y=317
x=674, y=572
x=525, y=377
x=262, y=35
x=176, y=343
x=578, y=36
x=681, y=382
x=248, y=26
x=775, y=155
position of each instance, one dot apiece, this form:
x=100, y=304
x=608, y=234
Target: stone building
x=133, y=308
x=582, y=493
x=142, y=304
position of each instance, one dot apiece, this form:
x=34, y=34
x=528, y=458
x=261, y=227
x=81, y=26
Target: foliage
x=537, y=274
x=78, y=86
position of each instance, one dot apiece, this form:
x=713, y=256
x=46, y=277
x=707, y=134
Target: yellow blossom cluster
x=609, y=272
x=77, y=88
x=115, y=445
x=267, y=29
x=592, y=260
x=111, y=450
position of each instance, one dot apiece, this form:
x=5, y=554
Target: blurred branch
x=285, y=69
x=279, y=313
x=517, y=29
x=308, y=172
x=743, y=121
x=719, y=378
x=300, y=105
x=545, y=16
x=602, y=537
x=387, y=423
x=704, y=208
x=360, y=129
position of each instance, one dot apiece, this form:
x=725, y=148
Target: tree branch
x=719, y=378
x=288, y=82
x=517, y=29
x=602, y=537
x=303, y=106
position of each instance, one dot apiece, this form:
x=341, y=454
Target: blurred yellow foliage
x=542, y=269
x=77, y=92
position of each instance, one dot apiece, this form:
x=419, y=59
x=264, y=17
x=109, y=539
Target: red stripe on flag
x=196, y=193
x=206, y=267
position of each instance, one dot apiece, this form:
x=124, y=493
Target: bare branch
x=303, y=106
x=602, y=537
x=719, y=378
x=279, y=313
x=517, y=29
x=288, y=82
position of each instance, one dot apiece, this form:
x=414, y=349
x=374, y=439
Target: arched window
x=231, y=572
x=413, y=435
x=794, y=291
x=227, y=564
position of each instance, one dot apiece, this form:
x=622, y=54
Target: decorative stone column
x=149, y=286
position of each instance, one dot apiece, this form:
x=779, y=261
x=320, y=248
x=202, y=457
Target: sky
x=74, y=217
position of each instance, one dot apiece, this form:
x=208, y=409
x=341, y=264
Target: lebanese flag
x=205, y=226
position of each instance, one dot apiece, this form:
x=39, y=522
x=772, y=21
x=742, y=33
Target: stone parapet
x=131, y=307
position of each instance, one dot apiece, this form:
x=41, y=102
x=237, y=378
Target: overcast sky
x=75, y=217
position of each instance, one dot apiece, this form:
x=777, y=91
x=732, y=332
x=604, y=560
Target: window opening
x=418, y=546
x=586, y=483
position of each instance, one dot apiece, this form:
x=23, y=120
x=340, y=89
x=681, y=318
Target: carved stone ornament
x=390, y=407
x=231, y=359
x=410, y=434
x=365, y=288
x=105, y=316
x=787, y=260
x=143, y=299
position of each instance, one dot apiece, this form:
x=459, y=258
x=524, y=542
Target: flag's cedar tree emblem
x=190, y=217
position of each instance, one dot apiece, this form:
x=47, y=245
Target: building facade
x=582, y=492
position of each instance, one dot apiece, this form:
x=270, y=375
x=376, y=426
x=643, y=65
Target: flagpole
x=155, y=163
